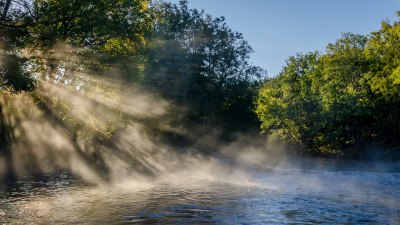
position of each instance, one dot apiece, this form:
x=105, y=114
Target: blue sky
x=277, y=29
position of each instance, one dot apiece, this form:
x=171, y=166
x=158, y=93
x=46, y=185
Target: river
x=275, y=196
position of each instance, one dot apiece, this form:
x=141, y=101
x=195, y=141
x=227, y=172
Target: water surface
x=278, y=196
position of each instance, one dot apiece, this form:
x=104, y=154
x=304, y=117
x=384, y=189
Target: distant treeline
x=343, y=102
x=339, y=102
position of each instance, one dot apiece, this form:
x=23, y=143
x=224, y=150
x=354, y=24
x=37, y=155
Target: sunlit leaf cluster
x=343, y=101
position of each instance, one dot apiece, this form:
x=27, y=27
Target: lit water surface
x=281, y=196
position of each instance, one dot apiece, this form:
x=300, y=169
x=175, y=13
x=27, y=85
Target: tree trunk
x=6, y=8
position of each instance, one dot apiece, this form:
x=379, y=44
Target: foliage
x=335, y=102
x=63, y=51
x=339, y=102
x=199, y=61
x=287, y=106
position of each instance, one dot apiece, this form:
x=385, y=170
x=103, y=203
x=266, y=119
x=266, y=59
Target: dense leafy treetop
x=341, y=101
x=93, y=48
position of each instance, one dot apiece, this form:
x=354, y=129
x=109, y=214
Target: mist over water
x=136, y=179
x=88, y=149
x=148, y=112
x=107, y=133
x=277, y=196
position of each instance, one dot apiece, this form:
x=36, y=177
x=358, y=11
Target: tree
x=12, y=76
x=345, y=94
x=340, y=102
x=198, y=61
x=384, y=79
x=53, y=46
x=287, y=106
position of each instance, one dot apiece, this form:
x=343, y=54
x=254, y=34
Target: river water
x=275, y=196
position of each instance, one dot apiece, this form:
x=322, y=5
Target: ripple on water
x=288, y=196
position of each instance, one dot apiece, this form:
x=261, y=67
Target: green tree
x=341, y=102
x=197, y=60
x=345, y=93
x=384, y=79
x=12, y=76
x=54, y=47
x=288, y=107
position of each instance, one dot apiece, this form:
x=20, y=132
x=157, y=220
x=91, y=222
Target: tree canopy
x=337, y=102
x=52, y=49
x=341, y=102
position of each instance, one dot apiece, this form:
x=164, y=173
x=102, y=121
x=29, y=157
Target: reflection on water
x=282, y=196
